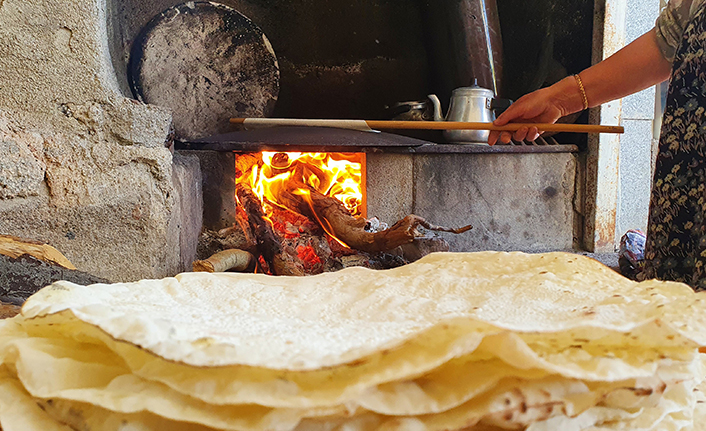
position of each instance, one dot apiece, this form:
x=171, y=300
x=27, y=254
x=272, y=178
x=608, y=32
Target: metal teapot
x=469, y=104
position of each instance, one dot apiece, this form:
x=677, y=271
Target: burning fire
x=338, y=175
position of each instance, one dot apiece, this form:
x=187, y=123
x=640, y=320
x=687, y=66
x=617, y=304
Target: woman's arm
x=639, y=65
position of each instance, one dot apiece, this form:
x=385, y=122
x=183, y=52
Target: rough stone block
x=111, y=209
x=125, y=121
x=53, y=52
x=519, y=202
x=187, y=183
x=21, y=167
x=127, y=239
x=390, y=180
x=218, y=183
x=102, y=188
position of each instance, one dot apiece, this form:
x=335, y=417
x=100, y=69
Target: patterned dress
x=672, y=22
x=676, y=234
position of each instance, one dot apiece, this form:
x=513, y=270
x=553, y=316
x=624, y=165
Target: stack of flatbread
x=481, y=341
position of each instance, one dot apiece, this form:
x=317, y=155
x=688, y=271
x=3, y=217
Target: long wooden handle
x=454, y=125
x=427, y=125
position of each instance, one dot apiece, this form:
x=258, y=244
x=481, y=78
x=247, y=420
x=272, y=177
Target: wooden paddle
x=422, y=125
x=206, y=62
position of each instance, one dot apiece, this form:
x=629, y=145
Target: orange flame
x=306, y=194
x=338, y=175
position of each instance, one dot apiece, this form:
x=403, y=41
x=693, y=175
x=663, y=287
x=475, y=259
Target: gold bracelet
x=583, y=91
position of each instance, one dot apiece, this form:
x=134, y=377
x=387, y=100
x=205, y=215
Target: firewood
x=269, y=245
x=8, y=310
x=335, y=219
x=15, y=247
x=234, y=259
x=238, y=236
x=422, y=247
x=244, y=163
x=24, y=276
x=287, y=264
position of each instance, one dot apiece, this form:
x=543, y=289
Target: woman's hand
x=546, y=105
x=637, y=66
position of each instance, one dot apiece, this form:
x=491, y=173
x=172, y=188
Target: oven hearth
x=93, y=172
x=445, y=184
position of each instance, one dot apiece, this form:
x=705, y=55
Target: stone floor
x=608, y=259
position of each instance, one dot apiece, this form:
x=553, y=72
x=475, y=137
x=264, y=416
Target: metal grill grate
x=541, y=141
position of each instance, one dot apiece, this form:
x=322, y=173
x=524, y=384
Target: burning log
x=234, y=259
x=335, y=219
x=244, y=163
x=292, y=199
x=269, y=245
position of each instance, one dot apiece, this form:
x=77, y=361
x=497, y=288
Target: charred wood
x=8, y=311
x=238, y=236
x=22, y=277
x=421, y=247
x=335, y=219
x=269, y=245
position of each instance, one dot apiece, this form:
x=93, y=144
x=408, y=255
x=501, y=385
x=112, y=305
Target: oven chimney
x=468, y=44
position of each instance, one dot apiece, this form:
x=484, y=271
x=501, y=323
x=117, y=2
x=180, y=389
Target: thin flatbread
x=19, y=412
x=425, y=358
x=308, y=323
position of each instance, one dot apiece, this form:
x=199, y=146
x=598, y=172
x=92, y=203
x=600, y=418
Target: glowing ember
x=308, y=255
x=336, y=175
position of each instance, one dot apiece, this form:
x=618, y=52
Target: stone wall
x=82, y=167
x=516, y=202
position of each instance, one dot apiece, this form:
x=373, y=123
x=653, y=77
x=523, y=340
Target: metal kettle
x=469, y=104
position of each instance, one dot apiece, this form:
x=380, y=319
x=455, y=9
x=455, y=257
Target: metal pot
x=419, y=110
x=469, y=104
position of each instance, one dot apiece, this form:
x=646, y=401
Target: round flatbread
x=333, y=319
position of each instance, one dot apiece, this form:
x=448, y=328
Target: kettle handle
x=438, y=115
x=500, y=104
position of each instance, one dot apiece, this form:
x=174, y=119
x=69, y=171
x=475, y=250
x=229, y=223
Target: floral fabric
x=671, y=24
x=676, y=235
